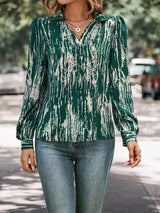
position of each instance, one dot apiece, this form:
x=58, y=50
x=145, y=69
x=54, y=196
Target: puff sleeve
x=120, y=86
x=34, y=87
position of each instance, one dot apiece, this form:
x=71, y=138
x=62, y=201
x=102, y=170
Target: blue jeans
x=83, y=166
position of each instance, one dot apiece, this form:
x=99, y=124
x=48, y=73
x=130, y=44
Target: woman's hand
x=134, y=153
x=27, y=154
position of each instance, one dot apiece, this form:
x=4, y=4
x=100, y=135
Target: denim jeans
x=74, y=174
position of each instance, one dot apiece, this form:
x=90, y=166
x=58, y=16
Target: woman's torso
x=76, y=103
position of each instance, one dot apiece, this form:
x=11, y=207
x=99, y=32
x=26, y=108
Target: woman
x=77, y=64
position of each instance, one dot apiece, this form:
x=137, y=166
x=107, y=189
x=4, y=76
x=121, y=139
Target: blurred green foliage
x=142, y=19
x=143, y=23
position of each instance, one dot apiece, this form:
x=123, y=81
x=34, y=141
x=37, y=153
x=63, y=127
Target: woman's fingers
x=135, y=163
x=137, y=156
x=134, y=153
x=131, y=151
x=137, y=159
x=32, y=161
x=26, y=155
x=128, y=162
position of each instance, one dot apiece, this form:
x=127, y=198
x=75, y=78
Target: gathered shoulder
x=115, y=20
x=39, y=23
x=39, y=20
x=119, y=25
x=33, y=23
x=120, y=19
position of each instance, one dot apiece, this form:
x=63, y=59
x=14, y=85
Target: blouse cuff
x=129, y=137
x=26, y=144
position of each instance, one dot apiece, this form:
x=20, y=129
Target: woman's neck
x=77, y=10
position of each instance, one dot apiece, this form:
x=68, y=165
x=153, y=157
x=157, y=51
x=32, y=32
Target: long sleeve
x=120, y=86
x=34, y=87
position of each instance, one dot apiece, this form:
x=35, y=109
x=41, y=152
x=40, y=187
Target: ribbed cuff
x=27, y=144
x=128, y=137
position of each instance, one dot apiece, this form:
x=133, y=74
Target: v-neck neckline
x=97, y=17
x=79, y=40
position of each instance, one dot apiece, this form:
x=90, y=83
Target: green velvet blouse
x=74, y=86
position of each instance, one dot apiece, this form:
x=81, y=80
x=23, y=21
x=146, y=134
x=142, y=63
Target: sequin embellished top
x=76, y=88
